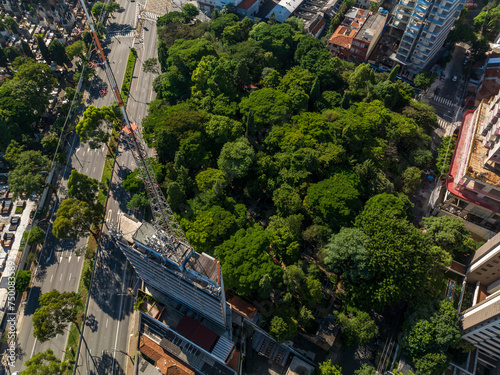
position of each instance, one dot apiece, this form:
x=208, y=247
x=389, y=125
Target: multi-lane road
x=106, y=334
x=59, y=268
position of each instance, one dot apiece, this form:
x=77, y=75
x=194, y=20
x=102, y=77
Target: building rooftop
x=243, y=307
x=245, y=4
x=205, y=265
x=345, y=33
x=468, y=161
x=370, y=27
x=284, y=9
x=165, y=363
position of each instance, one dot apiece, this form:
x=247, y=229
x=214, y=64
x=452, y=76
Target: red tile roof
x=245, y=4
x=165, y=363
x=242, y=306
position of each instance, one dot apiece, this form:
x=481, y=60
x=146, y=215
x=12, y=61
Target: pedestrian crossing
x=120, y=34
x=150, y=15
x=444, y=101
x=442, y=123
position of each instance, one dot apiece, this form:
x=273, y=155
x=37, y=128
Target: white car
x=454, y=79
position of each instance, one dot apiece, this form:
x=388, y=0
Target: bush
x=444, y=156
x=129, y=71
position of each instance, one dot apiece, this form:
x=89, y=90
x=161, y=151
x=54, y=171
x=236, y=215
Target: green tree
x=412, y=177
x=175, y=196
x=305, y=317
x=138, y=201
x=236, y=158
x=287, y=200
x=357, y=327
x=42, y=47
x=112, y=7
x=57, y=52
x=82, y=187
x=133, y=182
x=97, y=9
x=223, y=129
x=445, y=152
x=362, y=75
x=335, y=200
x=366, y=369
x=450, y=234
x=394, y=73
x=23, y=278
x=206, y=180
x=283, y=328
x=3, y=58
x=44, y=363
x=190, y=10
x=56, y=311
x=347, y=254
x=424, y=80
x=397, y=205
x=372, y=180
x=151, y=65
x=95, y=125
x=293, y=277
x=26, y=176
x=401, y=261
x=432, y=364
x=75, y=49
x=74, y=219
x=327, y=368
x=245, y=260
x=12, y=53
x=50, y=142
x=269, y=107
x=27, y=50
x=34, y=235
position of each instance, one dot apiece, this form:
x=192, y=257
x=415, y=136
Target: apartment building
x=426, y=24
x=194, y=280
x=473, y=184
x=480, y=316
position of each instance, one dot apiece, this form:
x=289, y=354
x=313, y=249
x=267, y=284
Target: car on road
x=437, y=90
x=454, y=79
x=14, y=222
x=8, y=238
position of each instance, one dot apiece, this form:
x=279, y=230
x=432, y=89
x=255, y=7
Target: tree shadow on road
x=107, y=365
x=96, y=89
x=32, y=304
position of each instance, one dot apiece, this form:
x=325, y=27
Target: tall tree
x=23, y=278
x=357, y=327
x=283, y=328
x=3, y=58
x=236, y=158
x=45, y=363
x=26, y=176
x=327, y=368
x=75, y=49
x=56, y=311
x=26, y=49
x=95, y=125
x=34, y=235
x=347, y=254
x=75, y=218
x=335, y=200
x=57, y=52
x=82, y=187
x=42, y=47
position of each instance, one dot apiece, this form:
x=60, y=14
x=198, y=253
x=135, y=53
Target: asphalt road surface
x=106, y=334
x=59, y=268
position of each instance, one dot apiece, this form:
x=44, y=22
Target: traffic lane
x=109, y=311
x=455, y=68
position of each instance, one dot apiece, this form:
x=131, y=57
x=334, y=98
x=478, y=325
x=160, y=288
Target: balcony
x=407, y=3
x=436, y=21
x=424, y=3
x=413, y=26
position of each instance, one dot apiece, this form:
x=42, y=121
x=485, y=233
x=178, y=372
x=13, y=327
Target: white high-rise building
x=426, y=24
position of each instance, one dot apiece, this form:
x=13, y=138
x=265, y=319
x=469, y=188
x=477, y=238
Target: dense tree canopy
x=44, y=363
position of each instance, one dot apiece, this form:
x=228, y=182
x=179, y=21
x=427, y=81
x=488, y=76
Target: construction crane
x=169, y=234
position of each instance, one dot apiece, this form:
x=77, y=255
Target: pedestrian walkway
x=443, y=124
x=442, y=100
x=150, y=15
x=120, y=34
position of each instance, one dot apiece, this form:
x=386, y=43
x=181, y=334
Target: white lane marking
x=119, y=316
x=69, y=278
x=107, y=320
x=69, y=259
x=60, y=277
x=78, y=259
x=33, y=348
x=51, y=277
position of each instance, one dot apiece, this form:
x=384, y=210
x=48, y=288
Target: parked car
x=6, y=206
x=14, y=222
x=8, y=238
x=437, y=91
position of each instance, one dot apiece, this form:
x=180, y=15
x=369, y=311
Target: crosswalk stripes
x=120, y=34
x=444, y=101
x=151, y=16
x=442, y=123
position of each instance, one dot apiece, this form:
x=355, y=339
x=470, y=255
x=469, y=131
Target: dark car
x=8, y=236
x=437, y=91
x=14, y=222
